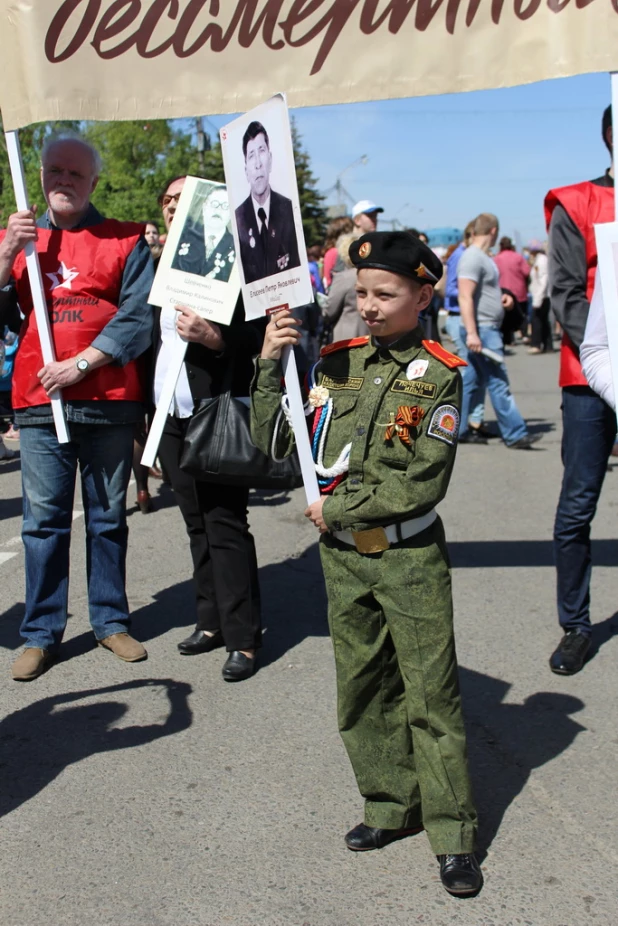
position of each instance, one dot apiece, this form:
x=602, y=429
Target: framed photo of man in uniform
x=261, y=178
x=198, y=267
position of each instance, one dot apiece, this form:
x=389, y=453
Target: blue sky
x=440, y=160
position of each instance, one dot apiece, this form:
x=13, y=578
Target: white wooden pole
x=167, y=394
x=299, y=423
x=36, y=281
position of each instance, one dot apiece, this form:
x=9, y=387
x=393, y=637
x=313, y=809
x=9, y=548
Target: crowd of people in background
x=526, y=319
x=506, y=290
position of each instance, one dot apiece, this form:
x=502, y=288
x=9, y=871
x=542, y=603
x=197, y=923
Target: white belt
x=394, y=533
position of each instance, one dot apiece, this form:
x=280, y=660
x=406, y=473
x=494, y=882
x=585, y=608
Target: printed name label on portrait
x=444, y=424
x=415, y=387
x=342, y=382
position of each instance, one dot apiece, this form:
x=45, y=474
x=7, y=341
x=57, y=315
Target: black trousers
x=541, y=328
x=222, y=548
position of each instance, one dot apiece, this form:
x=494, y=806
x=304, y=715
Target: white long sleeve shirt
x=594, y=352
x=539, y=281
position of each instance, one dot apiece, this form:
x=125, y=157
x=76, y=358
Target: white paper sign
x=261, y=179
x=607, y=247
x=197, y=268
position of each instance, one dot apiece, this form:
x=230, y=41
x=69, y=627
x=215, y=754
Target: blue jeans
x=589, y=430
x=477, y=401
x=485, y=373
x=49, y=470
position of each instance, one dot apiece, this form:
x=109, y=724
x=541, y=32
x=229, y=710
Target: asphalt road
x=158, y=795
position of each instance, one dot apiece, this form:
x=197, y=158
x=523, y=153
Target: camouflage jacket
x=398, y=406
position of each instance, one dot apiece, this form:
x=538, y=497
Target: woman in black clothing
x=222, y=548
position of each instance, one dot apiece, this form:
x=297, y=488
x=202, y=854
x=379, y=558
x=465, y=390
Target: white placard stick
x=607, y=248
x=299, y=423
x=167, y=394
x=36, y=281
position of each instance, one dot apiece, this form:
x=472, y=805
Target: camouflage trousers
x=399, y=708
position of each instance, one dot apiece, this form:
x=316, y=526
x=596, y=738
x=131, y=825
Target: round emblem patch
x=365, y=249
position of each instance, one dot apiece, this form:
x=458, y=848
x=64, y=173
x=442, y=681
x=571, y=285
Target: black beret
x=399, y=252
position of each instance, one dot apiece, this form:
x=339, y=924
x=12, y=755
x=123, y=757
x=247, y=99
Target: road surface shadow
x=293, y=607
x=39, y=741
x=293, y=604
x=508, y=741
x=518, y=554
x=11, y=508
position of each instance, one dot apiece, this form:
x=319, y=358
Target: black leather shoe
x=472, y=436
x=484, y=431
x=200, y=642
x=525, y=442
x=238, y=667
x=363, y=838
x=460, y=874
x=570, y=655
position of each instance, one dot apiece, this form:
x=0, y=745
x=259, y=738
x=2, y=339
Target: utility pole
x=203, y=142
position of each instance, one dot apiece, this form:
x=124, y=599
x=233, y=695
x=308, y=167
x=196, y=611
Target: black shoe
x=570, y=655
x=472, y=436
x=200, y=642
x=238, y=667
x=525, y=442
x=484, y=431
x=460, y=874
x=363, y=838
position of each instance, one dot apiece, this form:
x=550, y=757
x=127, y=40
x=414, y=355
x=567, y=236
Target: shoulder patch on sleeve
x=444, y=356
x=344, y=345
x=444, y=424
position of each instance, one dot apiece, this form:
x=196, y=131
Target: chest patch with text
x=415, y=387
x=353, y=383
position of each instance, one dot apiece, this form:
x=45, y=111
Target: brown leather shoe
x=144, y=502
x=124, y=646
x=32, y=663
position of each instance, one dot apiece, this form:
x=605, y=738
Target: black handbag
x=218, y=447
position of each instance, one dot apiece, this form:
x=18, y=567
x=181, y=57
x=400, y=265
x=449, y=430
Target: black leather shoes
x=200, y=642
x=525, y=442
x=363, y=838
x=571, y=653
x=460, y=874
x=472, y=436
x=238, y=667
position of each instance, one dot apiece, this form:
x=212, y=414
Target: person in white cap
x=365, y=216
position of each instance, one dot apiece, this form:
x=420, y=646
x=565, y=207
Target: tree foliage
x=139, y=158
x=311, y=201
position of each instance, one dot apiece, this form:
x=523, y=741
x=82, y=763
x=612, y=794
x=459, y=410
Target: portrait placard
x=264, y=204
x=197, y=268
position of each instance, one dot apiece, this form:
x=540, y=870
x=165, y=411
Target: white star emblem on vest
x=62, y=277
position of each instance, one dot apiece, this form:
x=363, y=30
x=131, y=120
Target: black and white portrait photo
x=265, y=220
x=206, y=245
x=260, y=174
x=198, y=266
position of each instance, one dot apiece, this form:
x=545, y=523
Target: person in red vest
x=589, y=424
x=97, y=275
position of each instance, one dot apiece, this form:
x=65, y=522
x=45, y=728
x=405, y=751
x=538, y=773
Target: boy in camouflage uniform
x=384, y=435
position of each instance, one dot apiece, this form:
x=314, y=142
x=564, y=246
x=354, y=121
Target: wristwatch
x=82, y=364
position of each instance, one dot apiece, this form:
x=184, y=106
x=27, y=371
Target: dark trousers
x=541, y=328
x=222, y=548
x=589, y=430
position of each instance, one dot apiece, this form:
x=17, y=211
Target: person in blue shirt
x=478, y=433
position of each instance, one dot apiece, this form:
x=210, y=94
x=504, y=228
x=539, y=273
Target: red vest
x=586, y=204
x=82, y=275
